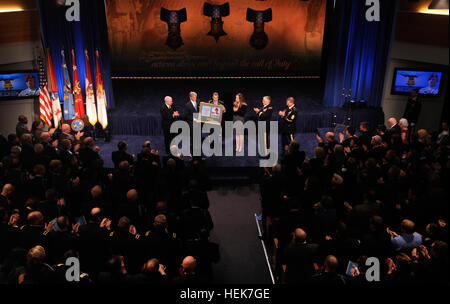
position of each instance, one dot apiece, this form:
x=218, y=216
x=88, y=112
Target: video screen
x=207, y=38
x=406, y=80
x=18, y=85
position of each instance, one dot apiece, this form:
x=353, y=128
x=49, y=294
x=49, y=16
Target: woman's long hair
x=241, y=101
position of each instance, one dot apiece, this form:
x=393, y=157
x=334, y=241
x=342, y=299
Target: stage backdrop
x=290, y=42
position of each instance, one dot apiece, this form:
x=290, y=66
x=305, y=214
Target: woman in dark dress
x=239, y=109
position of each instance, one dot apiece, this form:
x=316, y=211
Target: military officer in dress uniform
x=288, y=118
x=265, y=114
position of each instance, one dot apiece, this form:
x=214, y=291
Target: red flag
x=45, y=107
x=101, y=98
x=91, y=111
x=52, y=84
x=53, y=90
x=78, y=97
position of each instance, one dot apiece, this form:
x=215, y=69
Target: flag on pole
x=53, y=90
x=79, y=105
x=52, y=84
x=101, y=98
x=45, y=106
x=91, y=111
x=69, y=109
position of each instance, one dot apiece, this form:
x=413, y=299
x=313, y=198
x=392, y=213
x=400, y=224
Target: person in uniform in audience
x=288, y=119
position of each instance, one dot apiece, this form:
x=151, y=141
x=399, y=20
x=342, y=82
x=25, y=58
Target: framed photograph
x=210, y=113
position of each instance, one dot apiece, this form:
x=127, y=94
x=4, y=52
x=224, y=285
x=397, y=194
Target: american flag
x=45, y=106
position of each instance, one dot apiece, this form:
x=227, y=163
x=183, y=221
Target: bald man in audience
x=189, y=274
x=329, y=275
x=88, y=153
x=152, y=273
x=6, y=193
x=34, y=233
x=408, y=238
x=329, y=143
x=49, y=146
x=66, y=133
x=392, y=127
x=299, y=257
x=130, y=208
x=93, y=241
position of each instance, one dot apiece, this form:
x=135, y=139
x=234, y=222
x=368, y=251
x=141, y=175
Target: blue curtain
x=89, y=33
x=358, y=52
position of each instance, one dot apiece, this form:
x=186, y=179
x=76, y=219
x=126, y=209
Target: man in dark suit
x=329, y=276
x=191, y=107
x=93, y=241
x=365, y=138
x=195, y=222
x=21, y=127
x=65, y=133
x=168, y=114
x=189, y=274
x=130, y=208
x=49, y=147
x=88, y=154
x=7, y=191
x=299, y=257
x=413, y=107
x=121, y=155
x=34, y=233
x=191, y=110
x=392, y=128
x=329, y=143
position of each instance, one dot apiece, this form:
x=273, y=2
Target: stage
x=136, y=117
x=138, y=102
